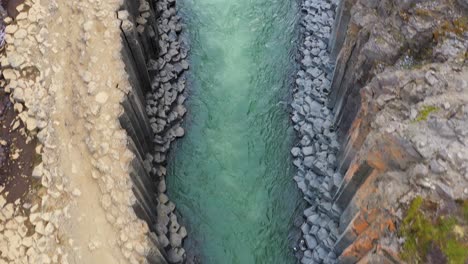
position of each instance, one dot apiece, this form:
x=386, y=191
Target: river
x=231, y=175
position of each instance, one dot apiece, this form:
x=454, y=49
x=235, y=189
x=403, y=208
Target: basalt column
x=155, y=62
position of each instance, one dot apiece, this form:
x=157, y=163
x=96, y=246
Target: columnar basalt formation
x=155, y=59
x=397, y=101
x=380, y=107
x=316, y=153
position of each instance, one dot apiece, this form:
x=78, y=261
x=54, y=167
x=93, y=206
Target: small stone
x=182, y=232
x=309, y=211
x=322, y=253
x=21, y=16
x=31, y=124
x=174, y=227
x=313, y=219
x=9, y=74
x=40, y=228
x=184, y=64
x=49, y=229
x=140, y=249
x=175, y=255
x=322, y=234
x=76, y=192
x=101, y=97
x=175, y=240
x=446, y=189
x=315, y=72
x=15, y=60
x=420, y=170
x=163, y=198
x=180, y=109
x=2, y=201
x=310, y=241
x=162, y=186
x=305, y=228
x=27, y=242
x=163, y=240
x=141, y=20
x=38, y=171
x=20, y=33
x=436, y=167
x=10, y=29
x=8, y=211
x=179, y=132
x=309, y=161
x=307, y=151
x=295, y=151
x=88, y=25
x=122, y=14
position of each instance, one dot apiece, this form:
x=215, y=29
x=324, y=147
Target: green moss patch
x=425, y=112
x=424, y=234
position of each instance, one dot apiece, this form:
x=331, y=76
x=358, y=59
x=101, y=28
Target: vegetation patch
x=425, y=112
x=457, y=26
x=431, y=235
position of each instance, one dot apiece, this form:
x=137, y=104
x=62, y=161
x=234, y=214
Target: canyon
x=157, y=131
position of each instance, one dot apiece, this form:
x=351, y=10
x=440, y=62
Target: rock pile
x=165, y=109
x=21, y=244
x=28, y=231
x=315, y=154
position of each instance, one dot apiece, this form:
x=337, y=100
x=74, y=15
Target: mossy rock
x=425, y=112
x=457, y=26
x=426, y=233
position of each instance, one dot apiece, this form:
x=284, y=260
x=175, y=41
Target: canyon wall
x=380, y=104
x=399, y=96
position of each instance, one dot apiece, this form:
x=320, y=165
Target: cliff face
x=399, y=94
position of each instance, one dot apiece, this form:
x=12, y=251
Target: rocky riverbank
x=383, y=131
x=165, y=109
x=316, y=154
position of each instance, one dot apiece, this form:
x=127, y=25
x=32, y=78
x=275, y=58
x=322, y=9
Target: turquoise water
x=231, y=175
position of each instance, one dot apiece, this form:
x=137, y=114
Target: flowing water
x=231, y=175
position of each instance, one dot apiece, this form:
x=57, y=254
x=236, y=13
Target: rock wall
x=398, y=101
x=399, y=98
